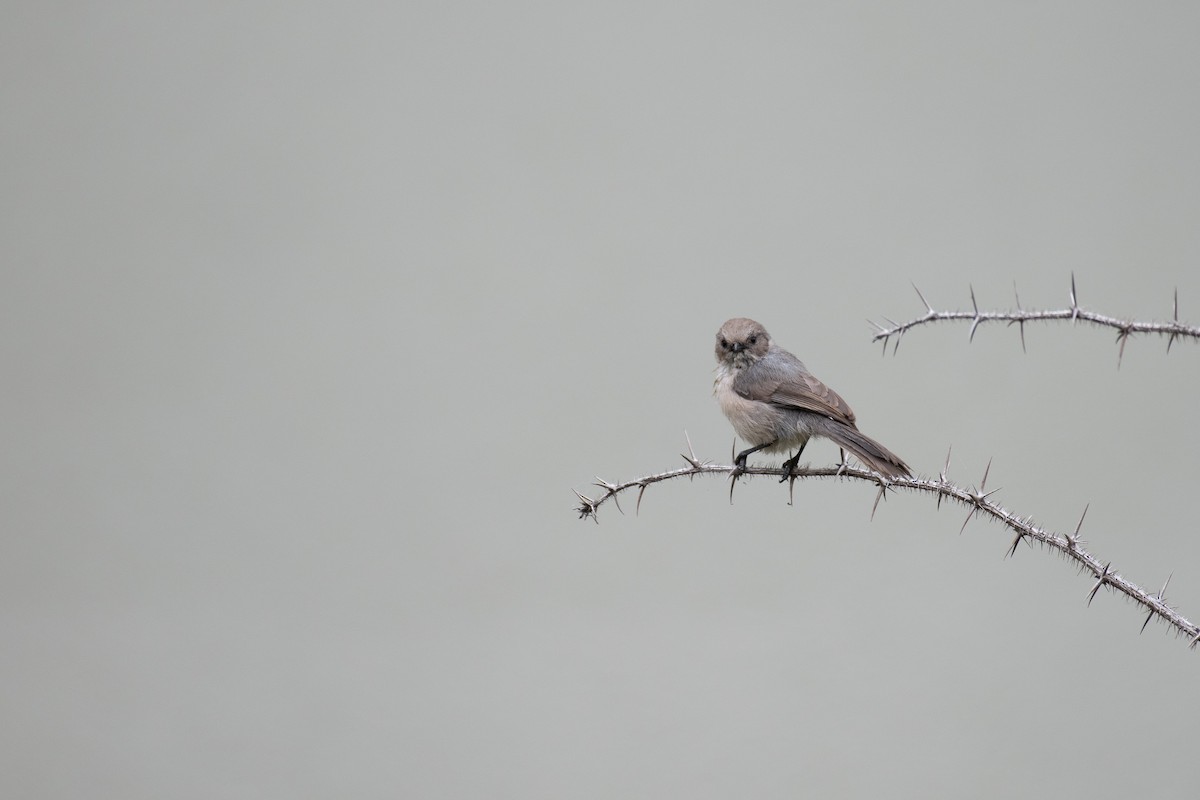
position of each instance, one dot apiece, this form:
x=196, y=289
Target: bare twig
x=1173, y=330
x=979, y=503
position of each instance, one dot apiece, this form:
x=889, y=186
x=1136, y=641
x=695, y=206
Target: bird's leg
x=792, y=463
x=740, y=461
x=842, y=463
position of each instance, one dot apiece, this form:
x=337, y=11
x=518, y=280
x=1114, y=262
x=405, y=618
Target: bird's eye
x=753, y=340
x=724, y=343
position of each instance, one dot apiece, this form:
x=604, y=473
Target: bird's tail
x=866, y=449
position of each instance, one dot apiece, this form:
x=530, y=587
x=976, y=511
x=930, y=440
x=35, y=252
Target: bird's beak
x=737, y=347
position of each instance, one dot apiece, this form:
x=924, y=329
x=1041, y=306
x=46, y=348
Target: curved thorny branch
x=977, y=501
x=1125, y=328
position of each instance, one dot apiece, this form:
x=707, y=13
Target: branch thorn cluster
x=1174, y=329
x=978, y=501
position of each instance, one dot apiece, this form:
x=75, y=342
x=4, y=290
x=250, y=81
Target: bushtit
x=775, y=404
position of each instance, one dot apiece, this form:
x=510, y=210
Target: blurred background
x=312, y=318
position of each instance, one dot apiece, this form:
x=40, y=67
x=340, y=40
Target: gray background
x=313, y=316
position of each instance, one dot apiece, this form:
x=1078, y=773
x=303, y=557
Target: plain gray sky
x=313, y=315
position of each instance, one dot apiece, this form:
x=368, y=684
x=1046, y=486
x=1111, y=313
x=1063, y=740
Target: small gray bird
x=776, y=404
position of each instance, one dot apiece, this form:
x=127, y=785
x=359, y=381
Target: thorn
x=896, y=346
x=1074, y=302
x=1161, y=593
x=983, y=496
x=1103, y=578
x=1020, y=322
x=974, y=322
x=1195, y=639
x=792, y=489
x=970, y=514
x=1122, y=337
x=878, y=497
x=691, y=450
x=928, y=307
x=942, y=476
x=611, y=488
x=1073, y=539
x=637, y=509
x=588, y=507
x=1012, y=551
x=733, y=476
x=986, y=470
x=1175, y=316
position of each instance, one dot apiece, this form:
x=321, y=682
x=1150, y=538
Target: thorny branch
x=1125, y=328
x=977, y=501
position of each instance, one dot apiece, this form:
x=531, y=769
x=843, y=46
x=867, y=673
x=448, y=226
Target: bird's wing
x=780, y=379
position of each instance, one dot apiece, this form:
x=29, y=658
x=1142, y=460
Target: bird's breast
x=755, y=422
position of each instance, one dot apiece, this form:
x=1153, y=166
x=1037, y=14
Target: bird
x=775, y=404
